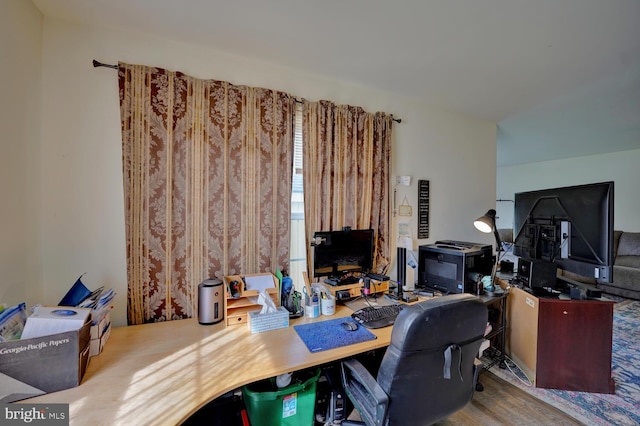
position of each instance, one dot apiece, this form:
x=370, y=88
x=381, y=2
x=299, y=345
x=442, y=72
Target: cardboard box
x=98, y=344
x=100, y=326
x=270, y=321
x=100, y=333
x=48, y=364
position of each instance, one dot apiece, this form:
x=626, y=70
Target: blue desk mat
x=325, y=335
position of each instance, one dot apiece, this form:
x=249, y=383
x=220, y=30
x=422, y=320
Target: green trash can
x=290, y=406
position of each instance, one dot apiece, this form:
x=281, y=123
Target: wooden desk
x=162, y=373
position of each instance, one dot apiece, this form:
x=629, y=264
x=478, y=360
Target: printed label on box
x=289, y=405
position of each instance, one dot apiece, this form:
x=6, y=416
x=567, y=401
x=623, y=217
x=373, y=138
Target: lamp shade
x=486, y=223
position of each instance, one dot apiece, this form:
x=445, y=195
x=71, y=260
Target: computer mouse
x=349, y=326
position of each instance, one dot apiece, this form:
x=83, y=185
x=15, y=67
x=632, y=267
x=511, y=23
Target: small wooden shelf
x=355, y=289
x=237, y=308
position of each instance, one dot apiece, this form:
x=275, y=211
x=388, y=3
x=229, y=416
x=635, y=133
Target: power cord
x=512, y=367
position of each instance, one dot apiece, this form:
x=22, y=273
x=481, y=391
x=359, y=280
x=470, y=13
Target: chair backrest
x=431, y=340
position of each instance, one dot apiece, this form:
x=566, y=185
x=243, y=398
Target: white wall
x=83, y=225
x=20, y=161
x=619, y=167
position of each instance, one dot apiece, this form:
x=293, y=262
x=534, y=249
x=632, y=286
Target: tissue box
x=270, y=321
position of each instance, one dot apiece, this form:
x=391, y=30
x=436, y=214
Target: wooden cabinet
x=561, y=344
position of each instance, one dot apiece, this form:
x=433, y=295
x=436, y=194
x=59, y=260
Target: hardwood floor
x=501, y=403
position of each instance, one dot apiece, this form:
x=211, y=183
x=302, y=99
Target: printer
x=453, y=266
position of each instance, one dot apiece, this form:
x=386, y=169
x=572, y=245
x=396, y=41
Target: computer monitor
x=339, y=252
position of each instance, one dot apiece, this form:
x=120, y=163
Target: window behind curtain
x=298, y=257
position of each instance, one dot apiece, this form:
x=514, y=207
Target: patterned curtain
x=346, y=173
x=207, y=177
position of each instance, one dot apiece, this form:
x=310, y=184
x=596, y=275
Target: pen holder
x=328, y=305
x=312, y=305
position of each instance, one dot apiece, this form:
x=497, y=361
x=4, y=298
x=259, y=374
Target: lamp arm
x=498, y=240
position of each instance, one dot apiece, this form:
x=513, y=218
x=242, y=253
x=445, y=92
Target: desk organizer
x=259, y=323
x=238, y=308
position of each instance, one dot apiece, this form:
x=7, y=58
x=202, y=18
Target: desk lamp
x=487, y=224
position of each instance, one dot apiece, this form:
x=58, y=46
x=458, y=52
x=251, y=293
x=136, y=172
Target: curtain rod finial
x=100, y=64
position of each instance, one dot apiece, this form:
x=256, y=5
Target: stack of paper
x=57, y=319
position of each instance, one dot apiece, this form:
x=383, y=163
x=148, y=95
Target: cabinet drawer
x=234, y=318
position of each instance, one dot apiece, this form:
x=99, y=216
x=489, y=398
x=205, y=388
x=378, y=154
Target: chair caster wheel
x=479, y=387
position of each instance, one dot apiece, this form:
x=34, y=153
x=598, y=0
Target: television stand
x=561, y=344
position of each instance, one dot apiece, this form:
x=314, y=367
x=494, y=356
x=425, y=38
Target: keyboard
x=377, y=317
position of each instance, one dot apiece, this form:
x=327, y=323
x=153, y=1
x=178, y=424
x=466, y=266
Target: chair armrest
x=363, y=390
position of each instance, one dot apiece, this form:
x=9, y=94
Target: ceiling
x=560, y=77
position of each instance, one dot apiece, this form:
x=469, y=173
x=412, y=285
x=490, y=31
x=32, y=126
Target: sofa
x=626, y=265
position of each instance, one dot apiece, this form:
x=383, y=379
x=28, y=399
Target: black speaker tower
x=401, y=273
x=401, y=269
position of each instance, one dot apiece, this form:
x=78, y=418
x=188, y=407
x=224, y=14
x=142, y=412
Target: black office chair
x=428, y=372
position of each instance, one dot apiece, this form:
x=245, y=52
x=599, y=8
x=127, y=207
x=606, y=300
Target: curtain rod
x=97, y=64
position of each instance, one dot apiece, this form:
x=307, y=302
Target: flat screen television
x=339, y=252
x=570, y=226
